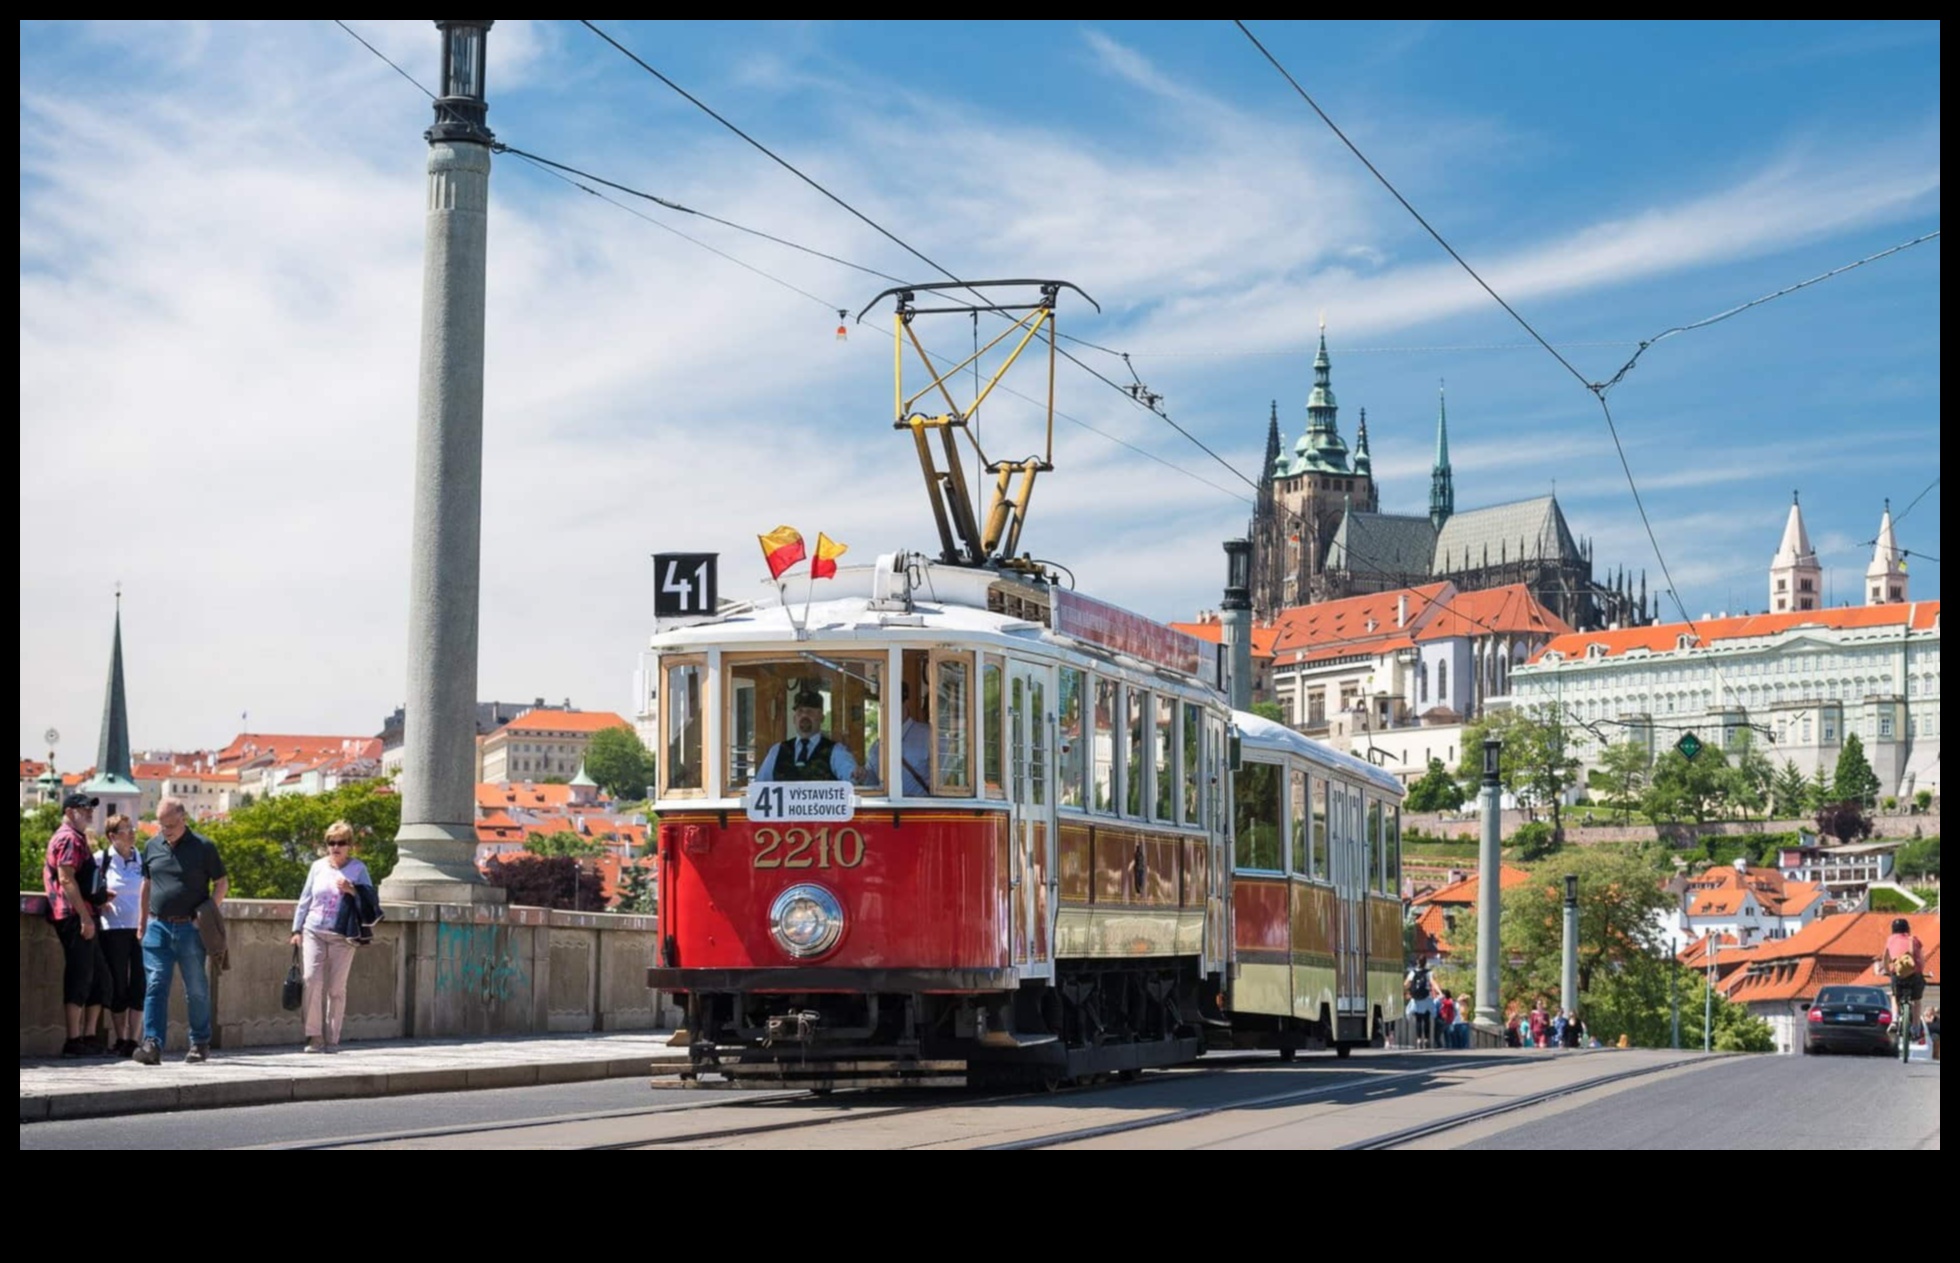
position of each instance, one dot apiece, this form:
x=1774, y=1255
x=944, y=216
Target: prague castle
x=1318, y=533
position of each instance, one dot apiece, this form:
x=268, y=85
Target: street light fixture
x=1492, y=746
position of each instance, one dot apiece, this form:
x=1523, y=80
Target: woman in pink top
x=328, y=955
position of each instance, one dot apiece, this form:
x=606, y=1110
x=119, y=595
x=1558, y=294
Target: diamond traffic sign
x=1689, y=745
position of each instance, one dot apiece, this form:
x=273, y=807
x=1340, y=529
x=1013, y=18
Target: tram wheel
x=1344, y=1051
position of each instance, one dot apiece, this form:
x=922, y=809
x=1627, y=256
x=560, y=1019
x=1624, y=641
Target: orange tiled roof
x=1833, y=950
x=283, y=748
x=1460, y=893
x=1264, y=639
x=493, y=795
x=1511, y=608
x=1664, y=637
x=548, y=720
x=1356, y=625
x=29, y=769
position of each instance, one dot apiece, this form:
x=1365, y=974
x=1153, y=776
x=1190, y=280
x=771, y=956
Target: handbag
x=294, y=988
x=98, y=887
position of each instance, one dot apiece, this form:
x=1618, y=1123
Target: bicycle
x=1905, y=1004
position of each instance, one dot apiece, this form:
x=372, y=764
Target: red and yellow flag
x=824, y=564
x=782, y=548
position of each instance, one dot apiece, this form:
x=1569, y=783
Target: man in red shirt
x=84, y=972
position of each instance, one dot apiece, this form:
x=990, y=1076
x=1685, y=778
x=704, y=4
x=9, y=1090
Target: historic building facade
x=1318, y=533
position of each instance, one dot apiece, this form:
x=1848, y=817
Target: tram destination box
x=799, y=802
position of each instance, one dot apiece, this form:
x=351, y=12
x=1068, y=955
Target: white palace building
x=1797, y=679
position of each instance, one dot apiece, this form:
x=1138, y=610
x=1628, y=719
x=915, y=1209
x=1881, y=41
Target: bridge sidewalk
x=98, y=1087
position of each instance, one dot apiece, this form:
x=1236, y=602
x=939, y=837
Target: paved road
x=1675, y=1101
x=1753, y=1103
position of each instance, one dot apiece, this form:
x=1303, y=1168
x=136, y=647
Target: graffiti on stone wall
x=479, y=961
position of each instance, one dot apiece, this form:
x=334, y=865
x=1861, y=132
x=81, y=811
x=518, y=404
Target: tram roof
x=976, y=605
x=1256, y=732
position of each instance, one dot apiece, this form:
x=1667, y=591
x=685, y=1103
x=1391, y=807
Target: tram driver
x=810, y=755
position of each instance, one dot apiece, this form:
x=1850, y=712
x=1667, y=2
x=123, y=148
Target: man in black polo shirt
x=181, y=871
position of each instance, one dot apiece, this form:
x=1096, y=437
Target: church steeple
x=1885, y=577
x=113, y=777
x=1442, y=492
x=1363, y=463
x=1321, y=448
x=1274, y=451
x=1796, y=577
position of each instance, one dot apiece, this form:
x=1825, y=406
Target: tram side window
x=1166, y=758
x=952, y=725
x=1214, y=786
x=681, y=702
x=1138, y=763
x=769, y=700
x=1106, y=749
x=1257, y=817
x=1393, y=821
x=1317, y=840
x=990, y=704
x=1193, y=718
x=1297, y=818
x=1073, y=757
x=1038, y=740
x=1377, y=849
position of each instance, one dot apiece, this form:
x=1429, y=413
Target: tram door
x=1031, y=818
x=1348, y=857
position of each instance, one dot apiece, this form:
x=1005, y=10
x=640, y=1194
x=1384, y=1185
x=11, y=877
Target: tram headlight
x=806, y=921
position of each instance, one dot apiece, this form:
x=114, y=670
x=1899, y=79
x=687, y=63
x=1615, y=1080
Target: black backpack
x=1419, y=985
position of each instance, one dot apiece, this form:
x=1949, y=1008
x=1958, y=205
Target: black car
x=1849, y=1019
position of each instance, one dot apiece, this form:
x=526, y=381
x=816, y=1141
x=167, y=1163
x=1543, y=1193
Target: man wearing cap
x=181, y=872
x=84, y=972
x=809, y=755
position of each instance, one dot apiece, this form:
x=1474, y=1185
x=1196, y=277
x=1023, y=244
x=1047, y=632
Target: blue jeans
x=175, y=945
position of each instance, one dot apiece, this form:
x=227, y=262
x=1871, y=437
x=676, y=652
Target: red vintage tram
x=1019, y=850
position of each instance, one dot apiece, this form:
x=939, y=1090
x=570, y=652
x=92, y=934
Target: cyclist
x=1905, y=965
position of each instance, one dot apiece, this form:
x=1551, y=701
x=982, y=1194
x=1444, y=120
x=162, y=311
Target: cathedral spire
x=112, y=770
x=1442, y=494
x=1321, y=449
x=1363, y=463
x=1885, y=577
x=1273, y=448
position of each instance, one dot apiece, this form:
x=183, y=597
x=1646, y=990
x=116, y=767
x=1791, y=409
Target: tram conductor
x=810, y=755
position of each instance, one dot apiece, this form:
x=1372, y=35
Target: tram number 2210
x=791, y=848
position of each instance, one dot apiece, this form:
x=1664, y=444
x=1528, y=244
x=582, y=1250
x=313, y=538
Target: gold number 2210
x=844, y=850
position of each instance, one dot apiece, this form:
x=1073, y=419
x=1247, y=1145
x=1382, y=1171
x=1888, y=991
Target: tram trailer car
x=1042, y=868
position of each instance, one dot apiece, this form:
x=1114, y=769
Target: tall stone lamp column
x=1490, y=1005
x=1568, y=1000
x=437, y=842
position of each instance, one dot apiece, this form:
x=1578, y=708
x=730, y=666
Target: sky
x=220, y=289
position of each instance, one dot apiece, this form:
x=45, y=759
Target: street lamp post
x=1490, y=1005
x=1569, y=976
x=1674, y=988
x=1708, y=995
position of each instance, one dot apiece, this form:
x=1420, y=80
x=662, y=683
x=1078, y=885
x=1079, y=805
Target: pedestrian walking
x=326, y=950
x=122, y=948
x=183, y=874
x=68, y=880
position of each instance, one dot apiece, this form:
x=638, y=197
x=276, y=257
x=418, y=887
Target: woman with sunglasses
x=328, y=955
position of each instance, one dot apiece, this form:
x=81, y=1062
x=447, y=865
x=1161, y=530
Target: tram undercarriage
x=1097, y=1019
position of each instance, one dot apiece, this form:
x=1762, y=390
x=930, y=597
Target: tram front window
x=803, y=718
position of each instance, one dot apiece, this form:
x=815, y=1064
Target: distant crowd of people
x=1439, y=1018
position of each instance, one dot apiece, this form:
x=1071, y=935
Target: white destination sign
x=799, y=801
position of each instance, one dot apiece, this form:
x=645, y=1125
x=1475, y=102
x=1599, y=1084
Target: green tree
x=1534, y=765
x=1625, y=767
x=555, y=882
x=564, y=843
x=1691, y=788
x=619, y=762
x=1436, y=791
x=1533, y=841
x=636, y=890
x=1751, y=778
x=1918, y=859
x=291, y=827
x=1854, y=780
x=1787, y=792
x=37, y=825
x=1817, y=791
x=1269, y=710
x=1622, y=965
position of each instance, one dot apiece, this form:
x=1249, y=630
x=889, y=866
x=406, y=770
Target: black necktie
x=803, y=750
